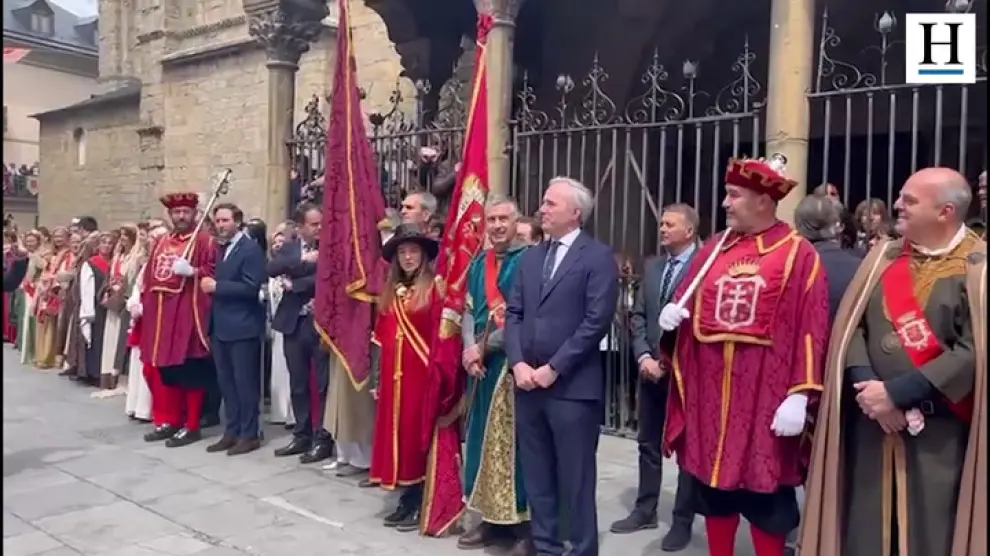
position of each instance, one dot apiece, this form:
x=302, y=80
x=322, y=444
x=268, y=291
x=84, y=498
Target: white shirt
x=230, y=244
x=953, y=243
x=566, y=241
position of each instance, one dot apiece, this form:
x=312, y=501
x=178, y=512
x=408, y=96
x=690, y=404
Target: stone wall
x=203, y=108
x=104, y=181
x=215, y=117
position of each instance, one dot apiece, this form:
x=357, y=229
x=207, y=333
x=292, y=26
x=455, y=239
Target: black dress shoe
x=400, y=515
x=294, y=448
x=633, y=522
x=224, y=444
x=161, y=432
x=318, y=452
x=677, y=538
x=410, y=523
x=184, y=437
x=244, y=446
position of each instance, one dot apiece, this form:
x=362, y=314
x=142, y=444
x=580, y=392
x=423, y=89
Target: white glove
x=182, y=267
x=790, y=418
x=87, y=333
x=135, y=310
x=671, y=317
x=915, y=421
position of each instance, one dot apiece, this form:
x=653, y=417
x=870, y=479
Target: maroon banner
x=463, y=239
x=349, y=275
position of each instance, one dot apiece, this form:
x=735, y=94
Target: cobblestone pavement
x=78, y=479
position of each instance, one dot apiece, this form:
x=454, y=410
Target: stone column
x=792, y=35
x=286, y=31
x=499, y=65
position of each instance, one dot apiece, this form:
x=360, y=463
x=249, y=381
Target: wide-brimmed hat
x=409, y=234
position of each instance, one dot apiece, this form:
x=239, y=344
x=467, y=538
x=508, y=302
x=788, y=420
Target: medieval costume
x=76, y=307
x=175, y=315
x=139, y=403
x=492, y=477
x=93, y=273
x=68, y=316
x=24, y=308
x=914, y=319
x=749, y=354
x=400, y=376
x=48, y=307
x=350, y=419
x=113, y=297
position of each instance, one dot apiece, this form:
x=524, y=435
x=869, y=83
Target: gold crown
x=744, y=268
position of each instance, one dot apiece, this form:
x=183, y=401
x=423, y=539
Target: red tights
x=722, y=538
x=170, y=403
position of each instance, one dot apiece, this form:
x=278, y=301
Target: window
x=79, y=139
x=42, y=23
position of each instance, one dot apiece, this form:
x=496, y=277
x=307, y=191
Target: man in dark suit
x=237, y=326
x=295, y=265
x=817, y=220
x=661, y=275
x=561, y=305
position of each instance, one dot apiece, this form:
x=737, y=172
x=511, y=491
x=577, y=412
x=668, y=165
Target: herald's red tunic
x=398, y=455
x=757, y=333
x=175, y=312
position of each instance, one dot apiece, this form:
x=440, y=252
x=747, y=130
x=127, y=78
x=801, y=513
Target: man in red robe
x=747, y=362
x=175, y=315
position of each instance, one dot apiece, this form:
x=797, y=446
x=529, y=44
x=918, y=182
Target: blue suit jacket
x=238, y=313
x=562, y=323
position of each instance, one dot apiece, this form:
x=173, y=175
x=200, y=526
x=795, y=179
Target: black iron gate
x=871, y=130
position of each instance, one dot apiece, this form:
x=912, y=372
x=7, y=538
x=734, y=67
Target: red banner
x=13, y=54
x=464, y=235
x=349, y=274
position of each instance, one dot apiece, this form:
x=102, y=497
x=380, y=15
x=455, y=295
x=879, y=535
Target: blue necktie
x=549, y=261
x=668, y=280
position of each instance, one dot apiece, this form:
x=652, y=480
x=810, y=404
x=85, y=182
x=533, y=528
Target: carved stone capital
x=285, y=32
x=504, y=12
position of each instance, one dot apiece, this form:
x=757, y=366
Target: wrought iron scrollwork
x=529, y=117
x=313, y=127
x=395, y=120
x=835, y=74
x=656, y=104
x=739, y=95
x=597, y=108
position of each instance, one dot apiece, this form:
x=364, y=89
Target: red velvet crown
x=176, y=200
x=760, y=175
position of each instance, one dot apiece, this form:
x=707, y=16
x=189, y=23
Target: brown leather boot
x=481, y=536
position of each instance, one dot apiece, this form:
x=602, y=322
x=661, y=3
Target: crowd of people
x=742, y=374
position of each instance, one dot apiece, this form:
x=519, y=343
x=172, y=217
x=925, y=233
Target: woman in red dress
x=408, y=316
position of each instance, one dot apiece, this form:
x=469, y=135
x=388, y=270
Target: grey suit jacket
x=648, y=303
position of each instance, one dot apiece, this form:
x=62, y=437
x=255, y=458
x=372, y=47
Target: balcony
x=20, y=187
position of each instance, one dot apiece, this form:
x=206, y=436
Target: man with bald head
x=895, y=467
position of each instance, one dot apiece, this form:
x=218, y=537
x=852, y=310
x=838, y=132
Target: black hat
x=407, y=233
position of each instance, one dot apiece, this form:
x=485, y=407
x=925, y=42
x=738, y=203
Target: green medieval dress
x=493, y=486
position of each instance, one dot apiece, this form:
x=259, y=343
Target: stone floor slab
x=107, y=527
x=29, y=544
x=63, y=448
x=51, y=501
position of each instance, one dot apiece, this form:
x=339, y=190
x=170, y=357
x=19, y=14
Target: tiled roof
x=69, y=31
